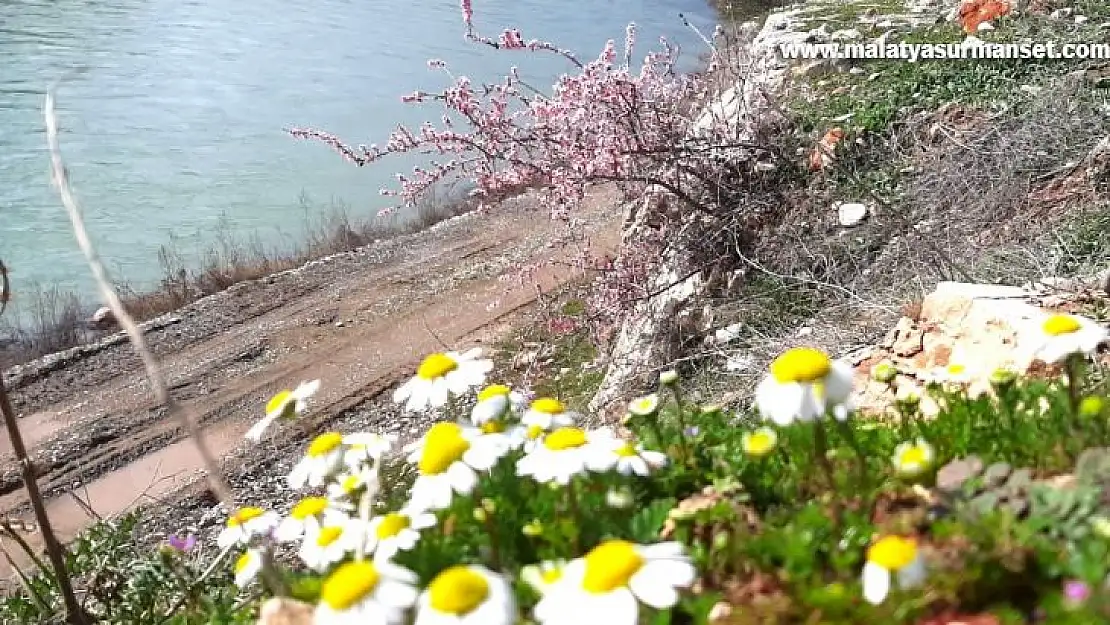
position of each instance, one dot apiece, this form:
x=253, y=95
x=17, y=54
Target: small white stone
x=805, y=331
x=851, y=214
x=764, y=166
x=985, y=26
x=856, y=71
x=1061, y=13
x=1081, y=19
x=728, y=333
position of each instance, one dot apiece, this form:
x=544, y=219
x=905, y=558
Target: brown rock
x=284, y=611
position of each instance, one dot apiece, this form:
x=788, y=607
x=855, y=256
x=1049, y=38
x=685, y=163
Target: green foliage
x=126, y=583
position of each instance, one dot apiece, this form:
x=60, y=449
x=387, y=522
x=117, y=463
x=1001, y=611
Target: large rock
x=980, y=327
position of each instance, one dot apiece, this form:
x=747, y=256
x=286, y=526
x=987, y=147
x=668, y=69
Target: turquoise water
x=175, y=129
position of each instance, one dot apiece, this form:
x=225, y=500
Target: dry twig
x=111, y=299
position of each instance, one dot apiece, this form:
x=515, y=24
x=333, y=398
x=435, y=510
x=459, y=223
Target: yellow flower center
x=644, y=404
x=349, y=584
x=493, y=427
x=243, y=515
x=309, y=506
x=350, y=484
x=892, y=552
x=1059, y=325
x=759, y=443
x=493, y=390
x=443, y=446
x=627, y=450
x=458, y=590
x=956, y=369
x=801, y=364
x=436, y=366
x=328, y=535
x=565, y=438
x=324, y=444
x=914, y=456
x=534, y=432
x=282, y=401
x=552, y=575
x=548, y=405
x=610, y=565
x=392, y=524
x=243, y=561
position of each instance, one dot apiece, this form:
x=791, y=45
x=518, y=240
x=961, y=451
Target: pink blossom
x=603, y=122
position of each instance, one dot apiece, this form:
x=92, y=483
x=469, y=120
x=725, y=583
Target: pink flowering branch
x=608, y=122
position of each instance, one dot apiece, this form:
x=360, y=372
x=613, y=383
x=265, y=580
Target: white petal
x=653, y=590
x=255, y=433
x=438, y=393
x=838, y=384
x=876, y=583
x=669, y=549
x=463, y=479
x=404, y=391
x=395, y=594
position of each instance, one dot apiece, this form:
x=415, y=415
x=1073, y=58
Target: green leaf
x=647, y=523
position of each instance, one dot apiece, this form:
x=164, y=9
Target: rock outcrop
x=967, y=331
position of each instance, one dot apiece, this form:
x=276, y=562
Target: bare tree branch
x=111, y=299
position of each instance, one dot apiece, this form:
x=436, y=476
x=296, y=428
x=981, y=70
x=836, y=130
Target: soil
x=359, y=322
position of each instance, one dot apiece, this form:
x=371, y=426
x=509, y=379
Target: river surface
x=174, y=130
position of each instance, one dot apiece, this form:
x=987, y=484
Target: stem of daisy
x=572, y=508
x=853, y=442
x=680, y=407
x=821, y=448
x=1074, y=368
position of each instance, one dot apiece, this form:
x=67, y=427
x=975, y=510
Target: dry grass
x=50, y=319
x=957, y=194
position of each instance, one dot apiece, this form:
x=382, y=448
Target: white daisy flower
x=347, y=485
x=608, y=584
x=626, y=457
x=326, y=544
x=366, y=593
x=565, y=453
x=644, y=406
x=891, y=556
x=247, y=567
x=396, y=531
x=913, y=459
x=285, y=405
x=494, y=404
x=548, y=413
x=760, y=442
x=308, y=514
x=322, y=458
x=441, y=375
x=245, y=524
x=544, y=576
x=447, y=458
x=366, y=448
x=466, y=595
x=1064, y=335
x=525, y=437
x=804, y=384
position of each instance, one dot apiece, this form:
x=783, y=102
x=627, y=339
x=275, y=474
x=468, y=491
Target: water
x=176, y=128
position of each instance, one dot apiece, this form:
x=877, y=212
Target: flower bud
x=480, y=515
x=668, y=377
x=533, y=529
x=1091, y=406
x=884, y=372
x=489, y=505
x=1002, y=378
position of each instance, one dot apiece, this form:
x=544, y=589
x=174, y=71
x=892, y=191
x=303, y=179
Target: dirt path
x=359, y=322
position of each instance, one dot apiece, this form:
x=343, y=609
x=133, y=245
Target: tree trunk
x=646, y=341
